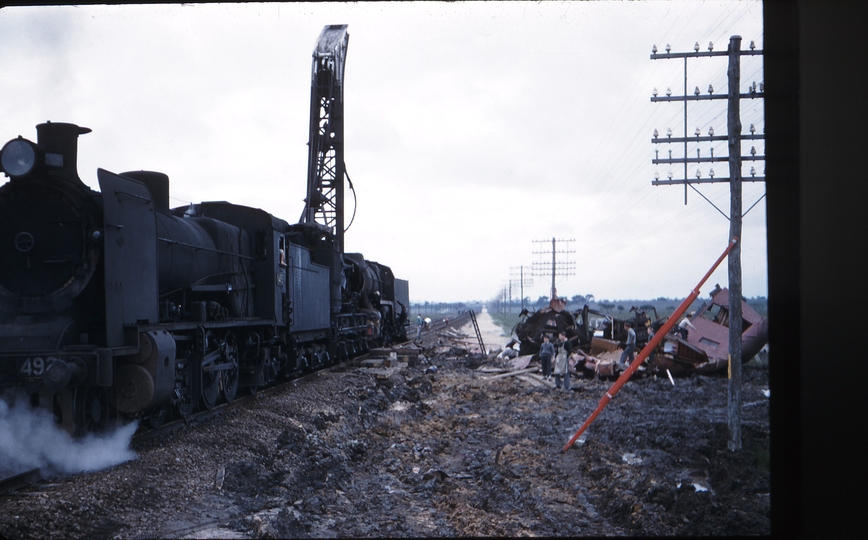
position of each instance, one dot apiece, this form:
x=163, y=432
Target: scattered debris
x=598, y=337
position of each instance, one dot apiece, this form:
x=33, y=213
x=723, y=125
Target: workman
x=685, y=322
x=650, y=337
x=418, y=326
x=629, y=346
x=546, y=351
x=563, y=349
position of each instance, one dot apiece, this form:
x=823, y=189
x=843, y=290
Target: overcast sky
x=472, y=129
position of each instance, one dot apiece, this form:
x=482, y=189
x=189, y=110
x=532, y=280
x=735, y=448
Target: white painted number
x=32, y=368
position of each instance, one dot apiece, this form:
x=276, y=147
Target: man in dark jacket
x=546, y=352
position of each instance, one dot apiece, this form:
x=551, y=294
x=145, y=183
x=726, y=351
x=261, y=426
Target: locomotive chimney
x=61, y=138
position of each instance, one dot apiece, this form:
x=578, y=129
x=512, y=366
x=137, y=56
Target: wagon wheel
x=229, y=377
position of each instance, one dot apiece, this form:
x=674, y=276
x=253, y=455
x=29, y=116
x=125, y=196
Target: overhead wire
x=707, y=115
x=621, y=178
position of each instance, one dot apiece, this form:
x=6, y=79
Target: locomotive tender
x=115, y=306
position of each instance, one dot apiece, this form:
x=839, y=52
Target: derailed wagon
x=706, y=349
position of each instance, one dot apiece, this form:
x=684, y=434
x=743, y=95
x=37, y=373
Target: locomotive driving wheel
x=211, y=377
x=229, y=377
x=210, y=388
x=92, y=409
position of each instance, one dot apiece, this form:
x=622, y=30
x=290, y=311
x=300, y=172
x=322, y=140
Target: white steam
x=29, y=439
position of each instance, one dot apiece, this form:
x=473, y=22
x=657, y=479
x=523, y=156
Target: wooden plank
x=530, y=378
x=510, y=374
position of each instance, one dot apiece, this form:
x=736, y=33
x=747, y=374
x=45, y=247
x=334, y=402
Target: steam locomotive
x=115, y=306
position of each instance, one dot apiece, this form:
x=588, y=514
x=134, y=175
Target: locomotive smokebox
x=61, y=138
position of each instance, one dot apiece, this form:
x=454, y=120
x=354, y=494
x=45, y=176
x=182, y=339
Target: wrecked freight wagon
x=706, y=348
x=596, y=336
x=552, y=320
x=599, y=340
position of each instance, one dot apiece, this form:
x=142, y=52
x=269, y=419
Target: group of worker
x=560, y=350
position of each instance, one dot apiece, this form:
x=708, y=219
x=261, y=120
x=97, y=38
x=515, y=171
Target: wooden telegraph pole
x=734, y=138
x=733, y=122
x=522, y=281
x=564, y=268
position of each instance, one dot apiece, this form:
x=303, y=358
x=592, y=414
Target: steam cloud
x=30, y=439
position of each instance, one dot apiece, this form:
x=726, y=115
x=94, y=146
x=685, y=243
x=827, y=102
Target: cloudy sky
x=473, y=130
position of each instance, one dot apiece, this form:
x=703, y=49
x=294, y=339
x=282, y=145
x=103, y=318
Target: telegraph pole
x=734, y=159
x=733, y=395
x=522, y=281
x=564, y=267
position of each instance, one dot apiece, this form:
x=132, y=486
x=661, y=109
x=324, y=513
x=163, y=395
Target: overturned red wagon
x=706, y=348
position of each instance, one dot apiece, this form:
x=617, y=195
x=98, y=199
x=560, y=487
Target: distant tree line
x=442, y=309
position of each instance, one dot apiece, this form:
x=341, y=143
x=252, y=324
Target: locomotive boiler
x=115, y=306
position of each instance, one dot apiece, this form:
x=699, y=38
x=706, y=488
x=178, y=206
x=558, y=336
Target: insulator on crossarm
x=752, y=129
x=696, y=47
x=697, y=132
x=668, y=91
x=752, y=171
x=668, y=132
x=711, y=173
x=752, y=45
x=654, y=92
x=711, y=132
x=670, y=175
x=710, y=46
x=698, y=174
x=710, y=89
x=654, y=49
x=655, y=133
x=696, y=92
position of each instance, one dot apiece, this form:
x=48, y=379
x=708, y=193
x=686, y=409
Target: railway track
x=27, y=478
x=20, y=480
x=201, y=416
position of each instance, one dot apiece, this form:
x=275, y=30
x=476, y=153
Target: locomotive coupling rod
x=650, y=346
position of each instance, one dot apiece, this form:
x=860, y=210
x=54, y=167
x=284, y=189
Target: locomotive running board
x=130, y=255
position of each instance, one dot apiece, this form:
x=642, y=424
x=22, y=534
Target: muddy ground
x=451, y=453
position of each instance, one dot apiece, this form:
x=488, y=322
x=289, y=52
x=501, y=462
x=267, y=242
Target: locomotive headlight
x=18, y=157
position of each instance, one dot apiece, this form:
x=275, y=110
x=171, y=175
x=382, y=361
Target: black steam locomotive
x=114, y=305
